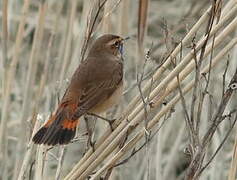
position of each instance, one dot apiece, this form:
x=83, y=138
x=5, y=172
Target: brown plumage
x=95, y=86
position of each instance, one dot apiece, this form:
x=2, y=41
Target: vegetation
x=177, y=117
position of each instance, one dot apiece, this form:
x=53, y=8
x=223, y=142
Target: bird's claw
x=92, y=144
x=111, y=124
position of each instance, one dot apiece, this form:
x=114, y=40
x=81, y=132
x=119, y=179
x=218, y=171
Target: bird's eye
x=116, y=44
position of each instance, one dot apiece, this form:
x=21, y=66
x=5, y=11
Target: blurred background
x=41, y=50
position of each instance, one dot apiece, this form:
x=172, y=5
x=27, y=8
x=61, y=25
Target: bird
x=95, y=86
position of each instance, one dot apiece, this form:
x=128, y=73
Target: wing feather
x=92, y=83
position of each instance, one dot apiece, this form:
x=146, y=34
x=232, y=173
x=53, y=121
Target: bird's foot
x=92, y=145
x=109, y=121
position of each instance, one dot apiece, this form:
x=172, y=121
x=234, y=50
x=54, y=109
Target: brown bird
x=96, y=85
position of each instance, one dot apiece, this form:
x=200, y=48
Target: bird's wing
x=96, y=83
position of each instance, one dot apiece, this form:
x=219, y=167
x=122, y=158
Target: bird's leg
x=104, y=119
x=89, y=131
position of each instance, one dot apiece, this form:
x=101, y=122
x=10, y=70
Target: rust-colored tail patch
x=56, y=135
x=59, y=129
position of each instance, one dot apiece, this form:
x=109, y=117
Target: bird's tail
x=59, y=129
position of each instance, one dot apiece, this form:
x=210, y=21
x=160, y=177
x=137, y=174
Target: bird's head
x=108, y=43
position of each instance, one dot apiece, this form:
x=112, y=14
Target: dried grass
x=51, y=37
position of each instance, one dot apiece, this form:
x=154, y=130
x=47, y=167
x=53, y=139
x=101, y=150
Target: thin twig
x=219, y=147
x=60, y=162
x=91, y=22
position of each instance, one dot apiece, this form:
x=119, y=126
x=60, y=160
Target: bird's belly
x=112, y=100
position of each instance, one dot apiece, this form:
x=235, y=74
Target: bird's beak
x=121, y=44
x=125, y=39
